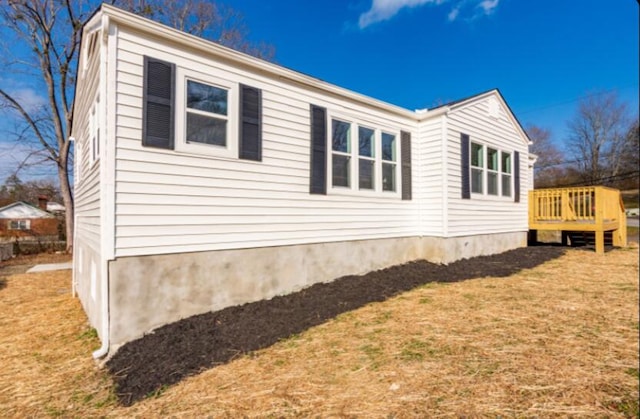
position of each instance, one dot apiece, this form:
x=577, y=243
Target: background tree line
x=13, y=189
x=601, y=148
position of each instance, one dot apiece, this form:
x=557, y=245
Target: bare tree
x=598, y=137
x=548, y=169
x=29, y=191
x=629, y=178
x=42, y=39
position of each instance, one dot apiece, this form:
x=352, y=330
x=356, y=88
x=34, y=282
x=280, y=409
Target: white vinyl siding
x=173, y=201
x=484, y=214
x=428, y=184
x=88, y=134
x=87, y=165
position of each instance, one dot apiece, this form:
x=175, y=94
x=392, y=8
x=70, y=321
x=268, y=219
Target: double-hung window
x=490, y=167
x=363, y=158
x=492, y=171
x=505, y=170
x=389, y=162
x=206, y=114
x=366, y=159
x=206, y=119
x=341, y=153
x=477, y=168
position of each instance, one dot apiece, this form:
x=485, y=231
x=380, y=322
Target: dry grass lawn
x=557, y=340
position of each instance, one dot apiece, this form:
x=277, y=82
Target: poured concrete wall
x=87, y=283
x=447, y=250
x=147, y=292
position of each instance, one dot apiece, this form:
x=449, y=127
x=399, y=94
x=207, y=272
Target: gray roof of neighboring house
x=20, y=209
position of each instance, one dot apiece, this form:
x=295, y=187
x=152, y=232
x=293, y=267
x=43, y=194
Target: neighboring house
x=22, y=221
x=206, y=178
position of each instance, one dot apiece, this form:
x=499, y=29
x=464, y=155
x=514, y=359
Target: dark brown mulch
x=184, y=348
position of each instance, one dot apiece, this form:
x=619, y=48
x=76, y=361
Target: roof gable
x=21, y=209
x=496, y=107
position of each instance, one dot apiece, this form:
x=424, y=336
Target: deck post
x=599, y=230
x=564, y=205
x=599, y=242
x=620, y=235
x=532, y=207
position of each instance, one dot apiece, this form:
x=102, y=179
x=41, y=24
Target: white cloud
x=382, y=10
x=470, y=10
x=467, y=10
x=488, y=6
x=28, y=99
x=453, y=14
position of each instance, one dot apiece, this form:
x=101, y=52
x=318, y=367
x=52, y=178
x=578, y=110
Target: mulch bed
x=175, y=351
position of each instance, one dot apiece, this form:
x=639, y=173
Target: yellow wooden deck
x=589, y=208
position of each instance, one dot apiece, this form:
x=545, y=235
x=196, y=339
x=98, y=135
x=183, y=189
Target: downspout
x=74, y=294
x=104, y=272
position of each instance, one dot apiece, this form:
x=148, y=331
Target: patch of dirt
x=21, y=264
x=175, y=351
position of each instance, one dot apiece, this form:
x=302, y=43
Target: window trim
x=354, y=169
x=230, y=150
x=499, y=196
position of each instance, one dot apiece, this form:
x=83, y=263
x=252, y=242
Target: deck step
x=588, y=238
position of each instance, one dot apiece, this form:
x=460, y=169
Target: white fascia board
x=239, y=58
x=425, y=114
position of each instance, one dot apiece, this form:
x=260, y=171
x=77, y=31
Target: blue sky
x=543, y=55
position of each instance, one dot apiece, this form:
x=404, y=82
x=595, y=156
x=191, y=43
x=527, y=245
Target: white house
x=206, y=178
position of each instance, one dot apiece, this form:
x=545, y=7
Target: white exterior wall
x=430, y=186
x=87, y=254
x=484, y=214
x=169, y=201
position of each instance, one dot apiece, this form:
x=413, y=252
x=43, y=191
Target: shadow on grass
x=184, y=348
x=3, y=283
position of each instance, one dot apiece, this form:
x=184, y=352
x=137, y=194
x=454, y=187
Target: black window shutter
x=516, y=176
x=318, y=178
x=405, y=143
x=250, y=123
x=464, y=166
x=158, y=103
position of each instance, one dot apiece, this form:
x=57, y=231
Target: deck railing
x=585, y=208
